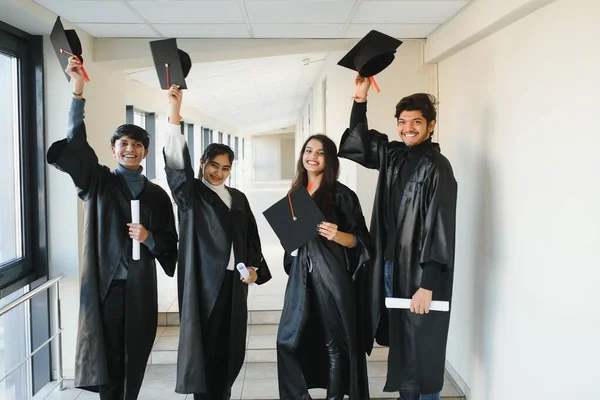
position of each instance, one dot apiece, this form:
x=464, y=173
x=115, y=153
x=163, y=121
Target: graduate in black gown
x=412, y=227
x=217, y=231
x=118, y=310
x=319, y=342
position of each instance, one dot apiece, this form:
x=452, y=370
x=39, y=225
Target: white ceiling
x=256, y=95
x=255, y=18
x=262, y=93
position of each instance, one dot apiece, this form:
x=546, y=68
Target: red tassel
x=374, y=83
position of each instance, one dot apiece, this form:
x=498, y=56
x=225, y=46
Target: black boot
x=335, y=390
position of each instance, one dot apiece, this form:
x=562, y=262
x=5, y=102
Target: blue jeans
x=388, y=277
x=406, y=395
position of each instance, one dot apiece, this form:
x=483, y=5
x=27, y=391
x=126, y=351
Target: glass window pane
x=14, y=348
x=11, y=234
x=139, y=119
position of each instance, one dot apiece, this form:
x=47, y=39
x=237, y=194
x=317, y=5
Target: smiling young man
x=118, y=298
x=412, y=227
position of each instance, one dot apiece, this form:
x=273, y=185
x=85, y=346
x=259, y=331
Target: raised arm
x=359, y=144
x=178, y=166
x=74, y=155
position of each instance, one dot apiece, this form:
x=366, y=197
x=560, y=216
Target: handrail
x=29, y=295
x=57, y=328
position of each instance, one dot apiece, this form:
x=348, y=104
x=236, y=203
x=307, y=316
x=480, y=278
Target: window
x=235, y=148
x=221, y=137
x=23, y=258
x=206, y=138
x=22, y=154
x=243, y=148
x=148, y=122
x=11, y=205
x=15, y=341
x=190, y=142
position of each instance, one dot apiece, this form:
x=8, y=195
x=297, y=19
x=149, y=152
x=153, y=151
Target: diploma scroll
x=135, y=218
x=436, y=305
x=241, y=267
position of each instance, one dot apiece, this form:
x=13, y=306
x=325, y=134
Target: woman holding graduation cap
x=217, y=231
x=318, y=343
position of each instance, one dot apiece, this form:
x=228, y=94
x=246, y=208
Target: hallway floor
x=258, y=377
x=256, y=381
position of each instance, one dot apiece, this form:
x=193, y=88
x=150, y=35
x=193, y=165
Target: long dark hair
x=324, y=196
x=213, y=151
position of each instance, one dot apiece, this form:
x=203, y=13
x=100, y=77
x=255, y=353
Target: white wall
x=288, y=157
x=405, y=76
x=268, y=161
x=518, y=124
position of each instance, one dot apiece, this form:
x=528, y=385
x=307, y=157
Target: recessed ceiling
x=255, y=95
x=347, y=19
x=262, y=93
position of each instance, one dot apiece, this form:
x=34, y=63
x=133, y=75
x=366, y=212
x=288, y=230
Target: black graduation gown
x=301, y=353
x=426, y=231
x=207, y=229
x=106, y=239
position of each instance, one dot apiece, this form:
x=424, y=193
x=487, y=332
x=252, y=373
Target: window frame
x=149, y=119
x=33, y=265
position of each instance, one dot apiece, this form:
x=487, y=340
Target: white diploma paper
x=436, y=305
x=135, y=218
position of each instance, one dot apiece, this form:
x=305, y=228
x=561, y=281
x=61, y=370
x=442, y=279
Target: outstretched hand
x=75, y=71
x=361, y=90
x=175, y=95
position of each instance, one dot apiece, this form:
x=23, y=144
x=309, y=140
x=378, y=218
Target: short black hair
x=423, y=102
x=134, y=132
x=216, y=149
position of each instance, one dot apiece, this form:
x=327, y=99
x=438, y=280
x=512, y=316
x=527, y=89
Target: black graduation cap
x=294, y=219
x=66, y=43
x=372, y=54
x=172, y=64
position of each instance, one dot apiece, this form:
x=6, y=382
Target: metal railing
x=57, y=328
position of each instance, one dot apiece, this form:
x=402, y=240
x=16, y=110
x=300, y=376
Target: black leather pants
x=335, y=389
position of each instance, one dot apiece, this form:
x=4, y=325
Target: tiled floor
x=258, y=377
x=256, y=381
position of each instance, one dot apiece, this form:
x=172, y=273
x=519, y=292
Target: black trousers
x=316, y=292
x=217, y=343
x=113, y=320
x=292, y=383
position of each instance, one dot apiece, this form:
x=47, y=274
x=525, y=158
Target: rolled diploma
x=135, y=218
x=436, y=305
x=241, y=267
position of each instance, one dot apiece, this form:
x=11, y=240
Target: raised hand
x=361, y=88
x=75, y=71
x=175, y=95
